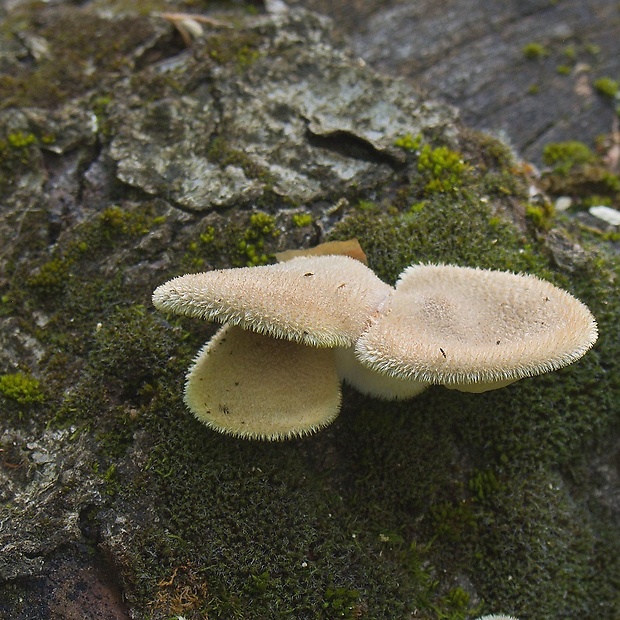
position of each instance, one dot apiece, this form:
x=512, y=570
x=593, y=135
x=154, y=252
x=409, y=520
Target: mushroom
x=270, y=373
x=474, y=329
x=250, y=385
x=295, y=329
x=323, y=301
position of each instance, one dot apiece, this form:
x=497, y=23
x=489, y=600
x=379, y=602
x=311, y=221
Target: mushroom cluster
x=294, y=330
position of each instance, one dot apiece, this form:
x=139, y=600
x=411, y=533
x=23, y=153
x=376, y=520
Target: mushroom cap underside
x=320, y=301
x=461, y=326
x=372, y=383
x=253, y=386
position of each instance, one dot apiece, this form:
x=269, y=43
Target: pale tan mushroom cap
x=320, y=301
x=474, y=328
x=253, y=386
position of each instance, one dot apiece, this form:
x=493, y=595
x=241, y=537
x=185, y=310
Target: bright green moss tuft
x=408, y=142
x=262, y=227
x=20, y=140
x=607, y=87
x=22, y=388
x=114, y=221
x=534, y=51
x=301, y=220
x=443, y=169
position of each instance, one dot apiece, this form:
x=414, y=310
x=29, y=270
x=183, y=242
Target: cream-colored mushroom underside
x=250, y=385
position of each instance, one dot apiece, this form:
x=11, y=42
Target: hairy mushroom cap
x=496, y=617
x=249, y=385
x=322, y=301
x=475, y=329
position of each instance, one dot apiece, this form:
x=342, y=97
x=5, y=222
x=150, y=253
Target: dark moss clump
x=130, y=348
x=275, y=539
x=80, y=48
x=241, y=49
x=18, y=154
x=565, y=156
x=579, y=172
x=419, y=234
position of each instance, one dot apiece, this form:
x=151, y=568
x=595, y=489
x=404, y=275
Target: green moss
x=240, y=48
x=570, y=52
x=262, y=227
x=443, y=169
x=607, y=87
x=541, y=215
x=20, y=140
x=81, y=49
x=367, y=205
x=208, y=235
x=100, y=106
x=248, y=240
x=477, y=240
x=563, y=69
x=51, y=277
x=452, y=520
x=408, y=142
x=380, y=514
x=342, y=603
x=301, y=220
x=18, y=153
x=564, y=156
x=484, y=484
x=22, y=388
x=534, y=51
x=115, y=221
x=456, y=604
x=577, y=171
